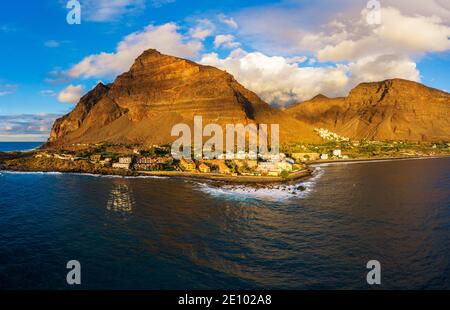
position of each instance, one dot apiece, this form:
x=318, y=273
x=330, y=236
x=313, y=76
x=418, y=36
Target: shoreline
x=182, y=175
x=372, y=159
x=242, y=179
x=226, y=179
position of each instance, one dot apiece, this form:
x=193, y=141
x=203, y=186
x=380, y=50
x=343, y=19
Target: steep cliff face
x=73, y=121
x=389, y=110
x=142, y=105
x=159, y=91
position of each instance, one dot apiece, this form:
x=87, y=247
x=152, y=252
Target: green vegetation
x=230, y=164
x=81, y=159
x=284, y=174
x=367, y=149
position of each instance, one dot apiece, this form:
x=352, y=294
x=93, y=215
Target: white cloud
x=7, y=28
x=23, y=138
x=203, y=29
x=164, y=38
x=110, y=10
x=440, y=8
x=52, y=43
x=57, y=77
x=372, y=69
x=160, y=3
x=26, y=127
x=408, y=27
x=225, y=40
x=280, y=81
x=71, y=94
x=413, y=33
x=397, y=34
x=7, y=89
x=47, y=93
x=276, y=80
x=327, y=31
x=229, y=21
x=296, y=59
x=339, y=34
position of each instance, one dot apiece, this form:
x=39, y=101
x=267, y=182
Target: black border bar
x=365, y=299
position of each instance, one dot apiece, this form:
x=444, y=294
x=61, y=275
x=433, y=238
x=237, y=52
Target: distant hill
x=159, y=91
x=388, y=110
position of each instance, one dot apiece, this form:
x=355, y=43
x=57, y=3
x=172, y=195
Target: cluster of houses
x=274, y=165
x=57, y=156
x=330, y=136
x=305, y=157
x=245, y=164
x=127, y=163
x=124, y=163
x=142, y=163
x=95, y=159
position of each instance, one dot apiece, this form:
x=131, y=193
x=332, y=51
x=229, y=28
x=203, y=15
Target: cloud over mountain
x=296, y=56
x=71, y=94
x=165, y=38
x=277, y=80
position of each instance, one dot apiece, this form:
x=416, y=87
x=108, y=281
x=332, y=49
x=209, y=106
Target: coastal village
x=292, y=162
x=157, y=159
x=160, y=159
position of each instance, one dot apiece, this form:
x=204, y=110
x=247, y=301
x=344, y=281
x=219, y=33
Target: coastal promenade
x=304, y=173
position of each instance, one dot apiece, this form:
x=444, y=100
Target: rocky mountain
x=388, y=110
x=142, y=105
x=159, y=91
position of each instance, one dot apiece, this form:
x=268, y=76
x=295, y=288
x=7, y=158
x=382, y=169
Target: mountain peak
x=100, y=86
x=394, y=109
x=158, y=91
x=149, y=52
x=397, y=83
x=153, y=57
x=393, y=90
x=319, y=97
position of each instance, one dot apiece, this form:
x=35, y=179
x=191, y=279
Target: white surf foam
x=32, y=172
x=109, y=176
x=268, y=193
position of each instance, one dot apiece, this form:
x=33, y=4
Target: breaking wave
x=264, y=192
x=31, y=172
x=108, y=176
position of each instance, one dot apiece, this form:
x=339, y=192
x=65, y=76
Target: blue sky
x=286, y=51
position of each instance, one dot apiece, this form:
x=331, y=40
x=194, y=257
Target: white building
x=290, y=160
x=324, y=156
x=252, y=155
x=284, y=166
x=125, y=160
x=121, y=166
x=63, y=156
x=241, y=155
x=222, y=156
x=337, y=153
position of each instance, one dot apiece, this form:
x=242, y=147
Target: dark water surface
x=18, y=146
x=158, y=233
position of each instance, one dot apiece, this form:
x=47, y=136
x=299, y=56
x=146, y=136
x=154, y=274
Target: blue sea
x=166, y=233
x=19, y=146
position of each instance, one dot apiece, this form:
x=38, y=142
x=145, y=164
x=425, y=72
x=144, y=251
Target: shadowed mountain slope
x=142, y=105
x=388, y=110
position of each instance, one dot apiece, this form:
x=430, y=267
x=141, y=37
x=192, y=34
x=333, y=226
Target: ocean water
x=164, y=233
x=19, y=146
